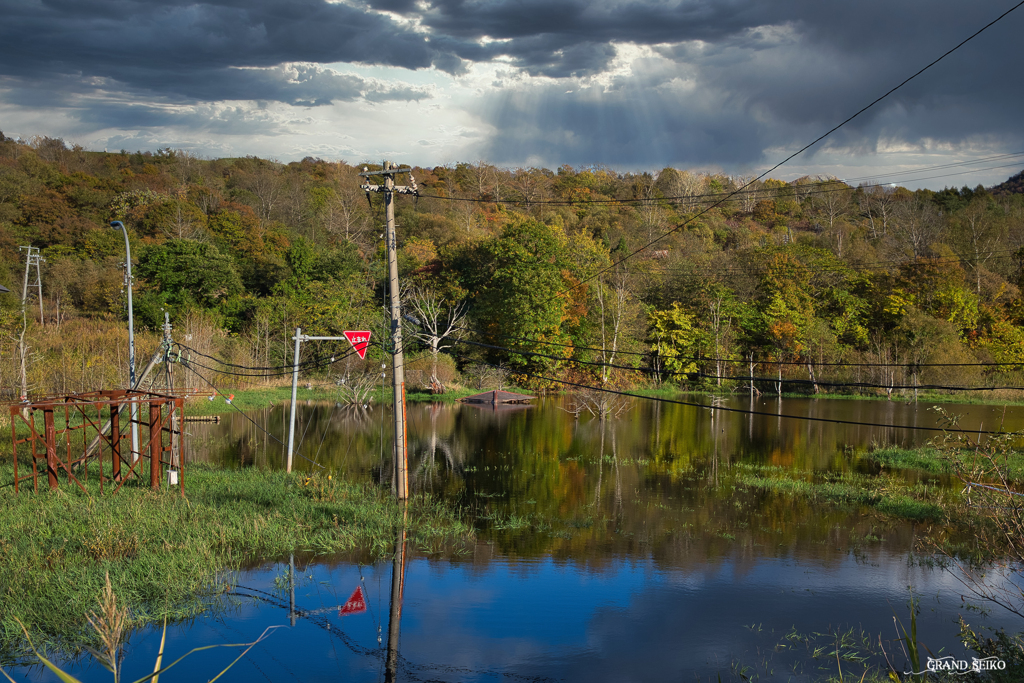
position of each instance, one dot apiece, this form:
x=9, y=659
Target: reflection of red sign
x=355, y=604
x=359, y=340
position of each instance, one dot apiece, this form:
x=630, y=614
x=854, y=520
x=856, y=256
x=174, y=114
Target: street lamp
x=118, y=225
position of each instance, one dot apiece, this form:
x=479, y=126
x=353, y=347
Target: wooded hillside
x=792, y=277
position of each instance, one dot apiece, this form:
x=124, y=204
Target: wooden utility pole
x=389, y=189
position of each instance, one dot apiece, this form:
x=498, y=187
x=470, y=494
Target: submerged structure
x=497, y=397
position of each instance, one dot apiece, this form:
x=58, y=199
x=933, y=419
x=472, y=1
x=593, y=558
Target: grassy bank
x=887, y=494
x=1004, y=398
x=935, y=461
x=167, y=555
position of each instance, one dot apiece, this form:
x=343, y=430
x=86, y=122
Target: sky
x=729, y=86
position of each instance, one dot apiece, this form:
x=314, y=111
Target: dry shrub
x=418, y=368
x=112, y=543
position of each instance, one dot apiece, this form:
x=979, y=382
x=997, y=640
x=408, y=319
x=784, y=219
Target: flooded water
x=623, y=550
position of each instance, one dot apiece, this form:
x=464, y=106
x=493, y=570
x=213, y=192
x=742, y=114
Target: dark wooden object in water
x=497, y=396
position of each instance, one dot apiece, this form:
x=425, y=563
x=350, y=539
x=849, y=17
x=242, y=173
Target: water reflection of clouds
x=635, y=623
x=515, y=620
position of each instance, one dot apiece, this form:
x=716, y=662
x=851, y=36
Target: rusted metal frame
x=156, y=442
x=115, y=443
x=153, y=447
x=95, y=425
x=13, y=450
x=81, y=404
x=35, y=436
x=115, y=400
x=53, y=463
x=131, y=465
x=51, y=447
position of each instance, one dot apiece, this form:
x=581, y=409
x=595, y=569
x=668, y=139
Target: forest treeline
x=807, y=285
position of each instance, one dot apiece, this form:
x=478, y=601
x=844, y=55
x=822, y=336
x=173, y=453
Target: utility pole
x=169, y=388
x=389, y=189
x=134, y=407
x=295, y=390
x=33, y=259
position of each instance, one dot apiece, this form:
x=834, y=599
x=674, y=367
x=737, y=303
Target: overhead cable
x=742, y=411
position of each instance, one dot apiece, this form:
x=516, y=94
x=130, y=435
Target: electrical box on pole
x=389, y=190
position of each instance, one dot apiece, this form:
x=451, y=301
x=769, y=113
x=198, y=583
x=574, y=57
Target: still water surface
x=613, y=551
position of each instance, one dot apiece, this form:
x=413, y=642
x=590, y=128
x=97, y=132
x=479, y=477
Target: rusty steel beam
x=155, y=444
x=51, y=447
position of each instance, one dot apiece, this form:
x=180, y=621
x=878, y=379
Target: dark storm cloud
x=733, y=77
x=201, y=119
x=778, y=82
x=194, y=50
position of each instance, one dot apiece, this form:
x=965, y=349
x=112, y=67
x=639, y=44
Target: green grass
x=930, y=459
x=975, y=398
x=888, y=495
x=168, y=555
x=927, y=459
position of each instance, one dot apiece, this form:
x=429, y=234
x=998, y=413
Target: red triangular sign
x=359, y=339
x=355, y=605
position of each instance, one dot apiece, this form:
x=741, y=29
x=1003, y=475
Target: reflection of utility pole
x=398, y=364
x=33, y=259
x=292, y=616
x=397, y=591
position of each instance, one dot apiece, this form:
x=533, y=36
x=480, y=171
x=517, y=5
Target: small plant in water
x=110, y=625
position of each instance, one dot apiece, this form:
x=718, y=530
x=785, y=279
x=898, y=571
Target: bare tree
x=438, y=320
x=340, y=211
x=613, y=305
x=599, y=403
x=831, y=200
x=877, y=203
x=652, y=216
x=529, y=183
x=265, y=183
x=975, y=237
x=915, y=227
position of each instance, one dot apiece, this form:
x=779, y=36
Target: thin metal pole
x=28, y=266
x=39, y=282
x=398, y=361
x=295, y=391
x=174, y=414
x=134, y=406
x=291, y=588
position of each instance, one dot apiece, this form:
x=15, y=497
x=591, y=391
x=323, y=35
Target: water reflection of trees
x=663, y=480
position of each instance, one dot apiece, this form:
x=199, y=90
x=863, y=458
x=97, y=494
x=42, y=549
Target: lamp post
x=134, y=408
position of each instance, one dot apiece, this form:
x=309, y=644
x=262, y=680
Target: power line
x=807, y=146
x=712, y=359
x=289, y=368
x=853, y=269
x=311, y=364
x=697, y=374
x=811, y=188
x=737, y=410
x=241, y=412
